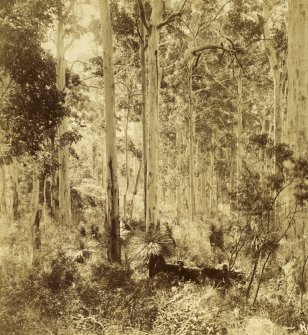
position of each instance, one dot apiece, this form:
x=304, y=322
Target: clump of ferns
x=143, y=246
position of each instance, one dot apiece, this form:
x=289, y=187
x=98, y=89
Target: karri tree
x=112, y=224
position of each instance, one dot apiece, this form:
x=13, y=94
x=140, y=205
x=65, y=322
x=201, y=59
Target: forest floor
x=64, y=297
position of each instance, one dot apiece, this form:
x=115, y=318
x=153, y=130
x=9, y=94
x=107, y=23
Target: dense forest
x=153, y=167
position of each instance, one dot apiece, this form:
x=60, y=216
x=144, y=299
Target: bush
x=111, y=276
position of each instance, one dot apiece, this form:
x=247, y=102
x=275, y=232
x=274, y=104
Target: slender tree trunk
x=12, y=196
x=179, y=177
x=44, y=214
x=273, y=60
x=192, y=203
x=211, y=179
x=94, y=155
x=152, y=216
x=126, y=160
x=136, y=189
x=2, y=189
x=64, y=176
x=239, y=129
x=112, y=224
x=232, y=169
x=144, y=113
x=297, y=115
x=252, y=275
x=53, y=186
x=36, y=213
x=203, y=201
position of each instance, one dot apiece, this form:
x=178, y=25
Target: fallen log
x=220, y=278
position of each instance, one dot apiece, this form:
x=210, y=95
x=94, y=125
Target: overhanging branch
x=172, y=16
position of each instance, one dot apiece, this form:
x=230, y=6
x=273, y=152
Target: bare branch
x=198, y=50
x=172, y=16
x=215, y=17
x=142, y=15
x=75, y=62
x=68, y=10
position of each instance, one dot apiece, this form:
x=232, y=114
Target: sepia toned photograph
x=153, y=167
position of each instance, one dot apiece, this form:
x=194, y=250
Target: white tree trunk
x=192, y=202
x=179, y=177
x=126, y=161
x=273, y=60
x=152, y=215
x=112, y=224
x=144, y=112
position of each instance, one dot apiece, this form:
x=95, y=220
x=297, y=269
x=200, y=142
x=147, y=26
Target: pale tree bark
x=44, y=212
x=212, y=182
x=192, y=203
x=297, y=115
x=198, y=179
x=135, y=189
x=94, y=155
x=152, y=215
x=112, y=224
x=64, y=173
x=232, y=154
x=179, y=177
x=12, y=196
x=2, y=189
x=239, y=80
x=16, y=213
x=274, y=64
x=144, y=112
x=154, y=76
x=126, y=160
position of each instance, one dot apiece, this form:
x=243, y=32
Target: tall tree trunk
x=211, y=179
x=239, y=128
x=64, y=176
x=36, y=213
x=273, y=60
x=44, y=212
x=94, y=155
x=12, y=188
x=297, y=115
x=126, y=160
x=135, y=189
x=16, y=213
x=232, y=169
x=2, y=189
x=179, y=177
x=192, y=203
x=152, y=216
x=144, y=112
x=112, y=224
